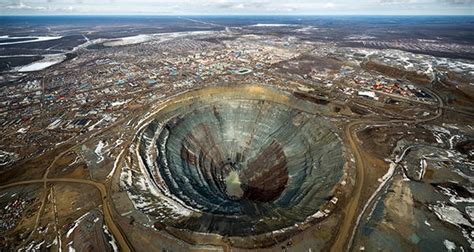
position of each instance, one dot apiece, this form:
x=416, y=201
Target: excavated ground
x=246, y=162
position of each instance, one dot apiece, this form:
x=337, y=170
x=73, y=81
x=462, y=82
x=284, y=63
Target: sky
x=237, y=7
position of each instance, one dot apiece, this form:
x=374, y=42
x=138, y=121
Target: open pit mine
x=245, y=163
x=236, y=134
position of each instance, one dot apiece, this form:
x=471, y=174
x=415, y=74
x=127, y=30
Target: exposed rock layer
x=287, y=161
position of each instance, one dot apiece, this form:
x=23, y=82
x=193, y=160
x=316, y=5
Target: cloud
x=428, y=2
x=238, y=7
x=30, y=8
x=22, y=6
x=236, y=4
x=329, y=5
x=460, y=1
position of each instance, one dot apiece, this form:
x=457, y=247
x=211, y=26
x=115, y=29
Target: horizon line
x=228, y=15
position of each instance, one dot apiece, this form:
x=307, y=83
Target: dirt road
x=346, y=231
x=114, y=229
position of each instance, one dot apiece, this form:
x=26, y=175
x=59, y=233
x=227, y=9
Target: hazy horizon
x=230, y=15
x=237, y=7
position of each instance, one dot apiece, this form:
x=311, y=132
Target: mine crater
x=245, y=163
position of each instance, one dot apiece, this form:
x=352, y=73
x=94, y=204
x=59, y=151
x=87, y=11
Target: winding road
x=345, y=234
x=116, y=231
x=347, y=230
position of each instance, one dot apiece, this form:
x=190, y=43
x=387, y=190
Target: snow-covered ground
x=110, y=239
x=271, y=25
x=48, y=61
x=450, y=246
x=359, y=37
x=451, y=214
x=159, y=203
x=7, y=157
x=307, y=29
x=120, y=102
x=99, y=151
x=36, y=66
x=53, y=59
x=31, y=39
x=76, y=223
x=129, y=40
x=142, y=38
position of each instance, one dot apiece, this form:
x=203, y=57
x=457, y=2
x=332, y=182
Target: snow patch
x=451, y=214
x=450, y=246
x=112, y=240
x=271, y=25
x=76, y=223
x=31, y=39
x=98, y=150
x=41, y=64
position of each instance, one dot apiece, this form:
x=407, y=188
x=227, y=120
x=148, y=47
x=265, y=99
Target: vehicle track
x=346, y=232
